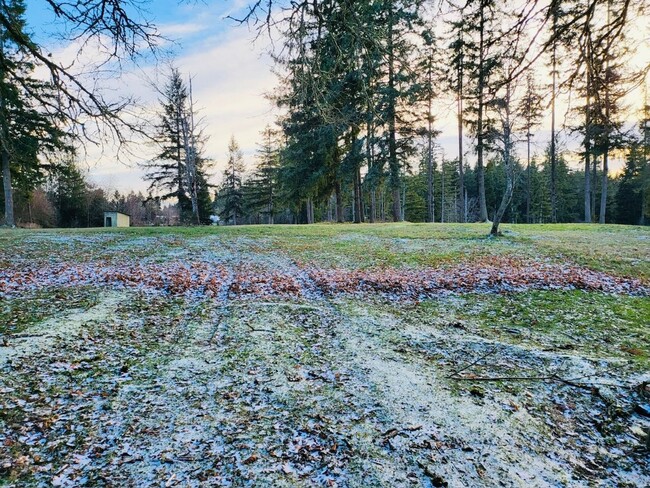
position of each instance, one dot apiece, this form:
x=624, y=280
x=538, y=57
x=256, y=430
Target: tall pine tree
x=231, y=197
x=27, y=129
x=178, y=171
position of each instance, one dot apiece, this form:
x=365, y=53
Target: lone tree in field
x=28, y=129
x=505, y=140
x=178, y=169
x=231, y=196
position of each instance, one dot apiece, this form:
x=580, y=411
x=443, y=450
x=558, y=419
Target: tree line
x=67, y=199
x=361, y=79
x=263, y=195
x=364, y=87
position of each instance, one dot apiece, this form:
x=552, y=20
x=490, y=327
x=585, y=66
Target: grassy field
x=325, y=355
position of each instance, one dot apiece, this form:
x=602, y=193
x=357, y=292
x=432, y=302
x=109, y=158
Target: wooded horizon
x=361, y=98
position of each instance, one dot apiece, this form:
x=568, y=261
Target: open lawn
x=325, y=355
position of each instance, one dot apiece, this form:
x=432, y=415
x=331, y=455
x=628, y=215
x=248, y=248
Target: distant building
x=116, y=219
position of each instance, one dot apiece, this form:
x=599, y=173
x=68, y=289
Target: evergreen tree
x=481, y=19
x=429, y=65
x=68, y=194
x=644, y=127
x=178, y=170
x=530, y=111
x=262, y=188
x=554, y=12
x=205, y=203
x=27, y=129
x=230, y=196
x=166, y=172
x=400, y=85
x=568, y=185
x=506, y=143
x=629, y=197
x=609, y=88
x=461, y=44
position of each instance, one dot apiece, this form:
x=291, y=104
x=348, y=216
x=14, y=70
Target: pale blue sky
x=230, y=76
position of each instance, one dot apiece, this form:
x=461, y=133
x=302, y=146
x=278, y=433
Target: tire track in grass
x=39, y=338
x=258, y=402
x=474, y=435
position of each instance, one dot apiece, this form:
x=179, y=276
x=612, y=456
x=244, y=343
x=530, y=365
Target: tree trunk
x=528, y=175
x=358, y=207
x=310, y=211
x=442, y=192
x=430, y=208
x=4, y=148
x=393, y=163
x=480, y=172
x=465, y=206
x=588, y=218
x=8, y=190
x=339, y=202
x=553, y=148
x=370, y=162
x=510, y=167
x=397, y=205
x=553, y=161
x=479, y=122
x=588, y=190
x=603, y=186
x=594, y=177
x=330, y=211
x=505, y=201
x=461, y=170
x=603, y=189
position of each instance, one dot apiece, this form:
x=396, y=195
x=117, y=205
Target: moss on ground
x=591, y=324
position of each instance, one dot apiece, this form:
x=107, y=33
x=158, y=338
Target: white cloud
x=182, y=29
x=230, y=77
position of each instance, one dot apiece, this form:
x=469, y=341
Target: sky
x=231, y=73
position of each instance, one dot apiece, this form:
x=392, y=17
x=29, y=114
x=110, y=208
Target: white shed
x=116, y=219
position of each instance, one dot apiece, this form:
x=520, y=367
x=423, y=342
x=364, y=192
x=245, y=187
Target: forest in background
x=361, y=86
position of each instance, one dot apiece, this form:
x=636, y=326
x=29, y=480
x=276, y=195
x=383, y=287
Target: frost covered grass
x=622, y=250
x=387, y=355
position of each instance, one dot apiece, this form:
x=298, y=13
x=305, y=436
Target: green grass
x=18, y=314
x=593, y=323
x=587, y=324
x=620, y=250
